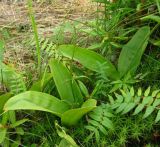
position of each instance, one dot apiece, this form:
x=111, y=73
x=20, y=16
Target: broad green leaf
x=32, y=100
x=90, y=60
x=3, y=99
x=148, y=111
x=72, y=116
x=66, y=85
x=132, y=52
x=138, y=109
x=151, y=17
x=158, y=116
x=3, y=132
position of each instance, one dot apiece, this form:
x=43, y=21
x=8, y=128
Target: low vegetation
x=93, y=83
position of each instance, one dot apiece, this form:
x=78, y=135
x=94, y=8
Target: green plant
x=66, y=108
x=128, y=61
x=15, y=84
x=8, y=122
x=127, y=116
x=99, y=121
x=129, y=101
x=9, y=77
x=132, y=52
x=34, y=26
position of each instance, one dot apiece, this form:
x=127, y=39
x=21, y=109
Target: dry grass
x=14, y=15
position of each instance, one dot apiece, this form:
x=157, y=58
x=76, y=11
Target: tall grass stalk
x=34, y=27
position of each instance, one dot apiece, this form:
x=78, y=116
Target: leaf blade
x=66, y=85
x=90, y=60
x=72, y=116
x=32, y=100
x=132, y=52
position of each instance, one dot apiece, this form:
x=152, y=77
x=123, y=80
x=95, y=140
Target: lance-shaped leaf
x=32, y=100
x=66, y=85
x=132, y=52
x=72, y=116
x=90, y=60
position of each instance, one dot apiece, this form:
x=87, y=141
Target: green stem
x=34, y=27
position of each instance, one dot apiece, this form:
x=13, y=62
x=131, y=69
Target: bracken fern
x=122, y=107
x=136, y=102
x=99, y=121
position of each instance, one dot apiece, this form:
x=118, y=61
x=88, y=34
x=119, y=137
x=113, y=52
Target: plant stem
x=34, y=27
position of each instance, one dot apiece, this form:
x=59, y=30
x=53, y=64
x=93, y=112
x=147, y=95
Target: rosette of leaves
x=70, y=107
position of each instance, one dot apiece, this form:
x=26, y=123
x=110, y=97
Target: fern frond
x=99, y=121
x=46, y=45
x=11, y=79
x=136, y=102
